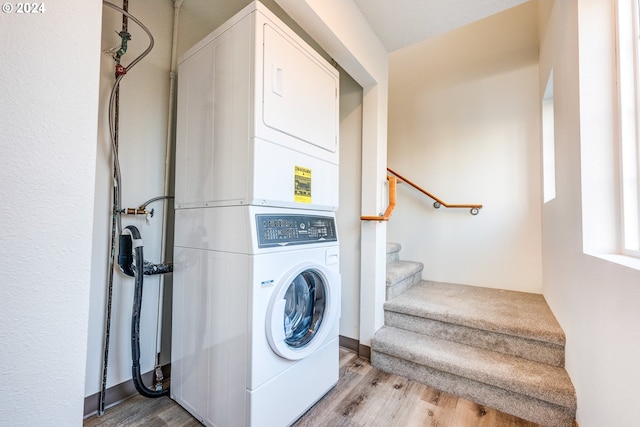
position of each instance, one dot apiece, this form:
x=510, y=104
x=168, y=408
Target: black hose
x=135, y=318
x=125, y=256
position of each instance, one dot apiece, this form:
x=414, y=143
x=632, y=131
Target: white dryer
x=258, y=114
x=256, y=308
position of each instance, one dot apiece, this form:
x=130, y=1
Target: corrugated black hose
x=138, y=269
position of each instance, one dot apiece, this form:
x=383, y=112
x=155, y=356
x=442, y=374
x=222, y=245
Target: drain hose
x=135, y=317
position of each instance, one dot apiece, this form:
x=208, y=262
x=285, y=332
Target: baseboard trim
x=364, y=351
x=348, y=343
x=355, y=346
x=119, y=392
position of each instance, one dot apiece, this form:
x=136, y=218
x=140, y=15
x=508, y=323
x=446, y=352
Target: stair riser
x=537, y=351
x=517, y=375
x=395, y=289
x=516, y=404
x=393, y=252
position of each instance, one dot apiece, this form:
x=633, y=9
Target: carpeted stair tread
x=520, y=314
x=540, y=381
x=400, y=270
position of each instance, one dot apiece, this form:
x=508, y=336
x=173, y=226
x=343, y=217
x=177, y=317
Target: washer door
x=301, y=312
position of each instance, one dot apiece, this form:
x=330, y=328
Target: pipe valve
x=125, y=37
x=139, y=211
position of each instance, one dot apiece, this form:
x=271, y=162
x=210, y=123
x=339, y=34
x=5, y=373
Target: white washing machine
x=256, y=308
x=258, y=116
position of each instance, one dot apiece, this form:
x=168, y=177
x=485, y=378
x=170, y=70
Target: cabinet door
x=299, y=92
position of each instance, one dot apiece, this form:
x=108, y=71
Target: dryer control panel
x=284, y=230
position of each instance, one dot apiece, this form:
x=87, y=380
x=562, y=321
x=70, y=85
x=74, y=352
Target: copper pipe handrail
x=475, y=208
x=392, y=202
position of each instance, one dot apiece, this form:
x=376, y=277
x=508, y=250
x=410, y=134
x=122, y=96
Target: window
x=609, y=121
x=548, y=143
x=629, y=100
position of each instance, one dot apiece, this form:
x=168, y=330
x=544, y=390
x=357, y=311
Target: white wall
x=464, y=123
x=143, y=123
x=350, y=194
x=48, y=109
x=595, y=301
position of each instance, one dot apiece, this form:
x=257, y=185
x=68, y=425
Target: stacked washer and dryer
x=256, y=289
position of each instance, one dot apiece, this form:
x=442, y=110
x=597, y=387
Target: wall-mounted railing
x=474, y=208
x=392, y=203
x=395, y=178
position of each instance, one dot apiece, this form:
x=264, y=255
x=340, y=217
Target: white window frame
x=548, y=143
x=629, y=117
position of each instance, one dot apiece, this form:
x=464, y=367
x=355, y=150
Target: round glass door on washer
x=304, y=308
x=300, y=311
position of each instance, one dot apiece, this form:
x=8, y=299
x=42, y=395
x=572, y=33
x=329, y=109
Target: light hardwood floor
x=364, y=396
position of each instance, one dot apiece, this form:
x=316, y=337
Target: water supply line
x=121, y=71
x=116, y=225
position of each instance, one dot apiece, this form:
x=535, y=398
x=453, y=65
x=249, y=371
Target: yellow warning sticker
x=302, y=185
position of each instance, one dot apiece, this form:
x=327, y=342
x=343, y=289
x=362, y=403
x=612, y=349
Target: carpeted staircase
x=499, y=348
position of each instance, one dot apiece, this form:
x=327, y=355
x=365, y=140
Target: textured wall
x=48, y=108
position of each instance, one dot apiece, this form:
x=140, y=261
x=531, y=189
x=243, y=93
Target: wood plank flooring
x=364, y=396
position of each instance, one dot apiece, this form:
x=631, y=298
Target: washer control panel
x=294, y=229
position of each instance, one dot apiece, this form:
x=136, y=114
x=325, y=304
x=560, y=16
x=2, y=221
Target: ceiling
x=401, y=23
x=398, y=23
